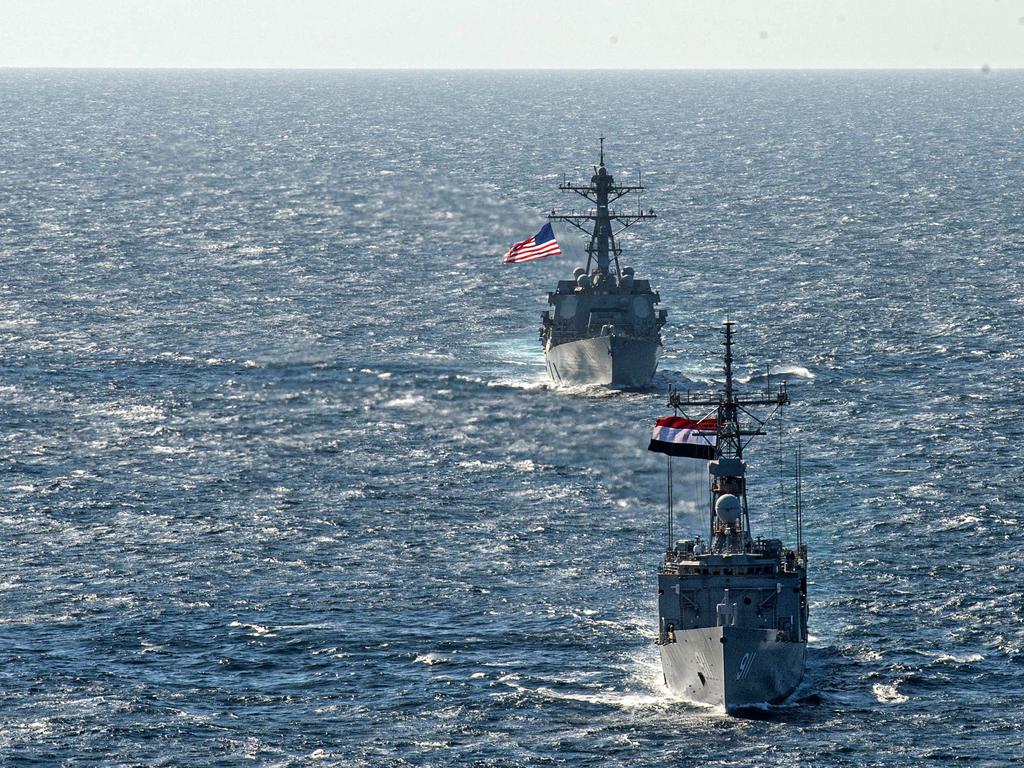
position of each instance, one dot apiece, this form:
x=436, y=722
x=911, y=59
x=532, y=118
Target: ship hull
x=612, y=361
x=734, y=668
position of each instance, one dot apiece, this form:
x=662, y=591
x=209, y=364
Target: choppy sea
x=282, y=482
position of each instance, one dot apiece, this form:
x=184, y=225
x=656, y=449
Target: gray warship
x=732, y=612
x=603, y=327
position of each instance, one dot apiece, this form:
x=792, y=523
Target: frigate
x=732, y=611
x=603, y=327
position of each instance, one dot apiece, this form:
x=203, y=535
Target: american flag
x=540, y=246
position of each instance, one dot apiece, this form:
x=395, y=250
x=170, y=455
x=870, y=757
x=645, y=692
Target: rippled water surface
x=282, y=481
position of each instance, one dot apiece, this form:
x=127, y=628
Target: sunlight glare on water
x=283, y=481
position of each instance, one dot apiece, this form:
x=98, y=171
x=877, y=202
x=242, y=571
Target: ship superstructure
x=733, y=611
x=603, y=327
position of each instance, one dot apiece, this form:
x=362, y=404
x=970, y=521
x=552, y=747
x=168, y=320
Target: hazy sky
x=512, y=34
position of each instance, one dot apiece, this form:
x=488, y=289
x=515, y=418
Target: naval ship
x=732, y=612
x=603, y=327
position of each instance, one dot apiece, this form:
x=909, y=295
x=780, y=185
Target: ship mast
x=728, y=470
x=602, y=192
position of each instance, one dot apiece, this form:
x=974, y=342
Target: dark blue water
x=282, y=483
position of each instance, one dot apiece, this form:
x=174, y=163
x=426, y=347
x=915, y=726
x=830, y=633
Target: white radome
x=728, y=509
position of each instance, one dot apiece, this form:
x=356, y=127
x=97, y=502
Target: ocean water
x=281, y=481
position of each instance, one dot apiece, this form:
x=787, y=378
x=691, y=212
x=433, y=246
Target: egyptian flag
x=677, y=436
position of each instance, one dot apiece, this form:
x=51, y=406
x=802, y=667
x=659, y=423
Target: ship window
x=746, y=601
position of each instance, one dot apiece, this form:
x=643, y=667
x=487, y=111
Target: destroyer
x=732, y=613
x=603, y=327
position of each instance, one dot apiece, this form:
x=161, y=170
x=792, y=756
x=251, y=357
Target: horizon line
x=984, y=68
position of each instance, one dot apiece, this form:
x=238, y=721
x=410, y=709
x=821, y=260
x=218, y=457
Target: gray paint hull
x=611, y=361
x=751, y=668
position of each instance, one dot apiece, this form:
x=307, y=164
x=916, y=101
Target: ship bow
x=732, y=667
x=626, y=362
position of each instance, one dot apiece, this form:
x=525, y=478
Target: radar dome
x=728, y=508
x=577, y=272
x=627, y=271
x=583, y=281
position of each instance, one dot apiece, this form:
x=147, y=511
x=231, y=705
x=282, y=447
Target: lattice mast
x=730, y=477
x=602, y=224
